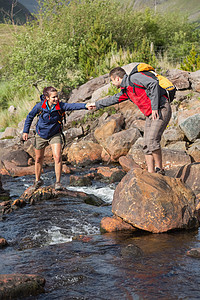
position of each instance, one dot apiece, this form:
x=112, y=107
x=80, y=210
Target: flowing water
x=44, y=239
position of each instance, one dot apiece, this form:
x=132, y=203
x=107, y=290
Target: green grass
x=7, y=38
x=22, y=99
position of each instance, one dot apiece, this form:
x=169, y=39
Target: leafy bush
x=71, y=41
x=192, y=62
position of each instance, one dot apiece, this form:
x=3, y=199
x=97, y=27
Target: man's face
x=116, y=81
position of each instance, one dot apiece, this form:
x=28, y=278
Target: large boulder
x=155, y=203
x=191, y=127
x=190, y=174
x=194, y=150
x=18, y=157
x=9, y=133
x=171, y=158
x=17, y=163
x=84, y=152
x=112, y=125
x=119, y=144
x=194, y=78
x=85, y=91
x=179, y=78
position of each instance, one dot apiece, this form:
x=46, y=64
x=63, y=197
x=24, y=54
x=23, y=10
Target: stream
x=60, y=240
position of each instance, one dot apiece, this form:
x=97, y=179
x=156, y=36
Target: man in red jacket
x=146, y=93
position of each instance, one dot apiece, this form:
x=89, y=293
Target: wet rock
x=191, y=127
x=93, y=200
x=132, y=252
x=195, y=252
x=5, y=207
x=44, y=193
x=13, y=286
x=110, y=174
x=4, y=195
x=66, y=169
x=112, y=224
x=120, y=143
x=190, y=175
x=84, y=152
x=80, y=180
x=3, y=243
x=128, y=163
x=154, y=203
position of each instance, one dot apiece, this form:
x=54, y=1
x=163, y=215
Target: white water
x=105, y=193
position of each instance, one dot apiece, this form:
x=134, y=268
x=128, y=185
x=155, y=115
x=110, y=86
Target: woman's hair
x=47, y=90
x=118, y=71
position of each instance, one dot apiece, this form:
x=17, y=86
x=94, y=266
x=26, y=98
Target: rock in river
x=155, y=203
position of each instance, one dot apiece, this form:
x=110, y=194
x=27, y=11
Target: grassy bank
x=22, y=99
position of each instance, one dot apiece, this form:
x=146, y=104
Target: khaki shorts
x=41, y=143
x=154, y=129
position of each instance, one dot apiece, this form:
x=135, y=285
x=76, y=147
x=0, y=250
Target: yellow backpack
x=164, y=83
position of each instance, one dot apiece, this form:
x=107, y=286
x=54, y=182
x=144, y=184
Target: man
x=146, y=93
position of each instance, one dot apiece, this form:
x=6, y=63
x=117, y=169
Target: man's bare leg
x=150, y=163
x=157, y=155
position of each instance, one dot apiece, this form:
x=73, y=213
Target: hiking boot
x=159, y=171
x=38, y=184
x=58, y=186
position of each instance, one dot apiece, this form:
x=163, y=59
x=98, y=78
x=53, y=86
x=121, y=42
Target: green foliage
x=70, y=42
x=192, y=62
x=94, y=48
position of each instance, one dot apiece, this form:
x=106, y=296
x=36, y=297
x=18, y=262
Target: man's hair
x=118, y=71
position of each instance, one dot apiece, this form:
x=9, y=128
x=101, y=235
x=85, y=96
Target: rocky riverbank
x=115, y=136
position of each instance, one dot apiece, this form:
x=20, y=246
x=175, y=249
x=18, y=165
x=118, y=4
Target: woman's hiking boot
x=38, y=184
x=58, y=186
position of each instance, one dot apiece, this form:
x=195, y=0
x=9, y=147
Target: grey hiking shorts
x=154, y=129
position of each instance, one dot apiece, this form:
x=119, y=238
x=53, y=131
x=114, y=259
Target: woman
x=48, y=131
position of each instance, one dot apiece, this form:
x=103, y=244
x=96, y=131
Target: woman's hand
x=25, y=136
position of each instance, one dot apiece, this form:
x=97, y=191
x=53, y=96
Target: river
x=60, y=240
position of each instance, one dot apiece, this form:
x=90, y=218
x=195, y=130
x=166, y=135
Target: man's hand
x=155, y=114
x=25, y=136
x=90, y=106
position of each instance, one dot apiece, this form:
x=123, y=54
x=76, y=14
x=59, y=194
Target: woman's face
x=52, y=99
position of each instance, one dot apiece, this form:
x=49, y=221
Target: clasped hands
x=90, y=106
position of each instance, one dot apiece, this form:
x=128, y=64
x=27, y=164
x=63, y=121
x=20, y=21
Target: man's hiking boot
x=38, y=184
x=58, y=186
x=159, y=171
